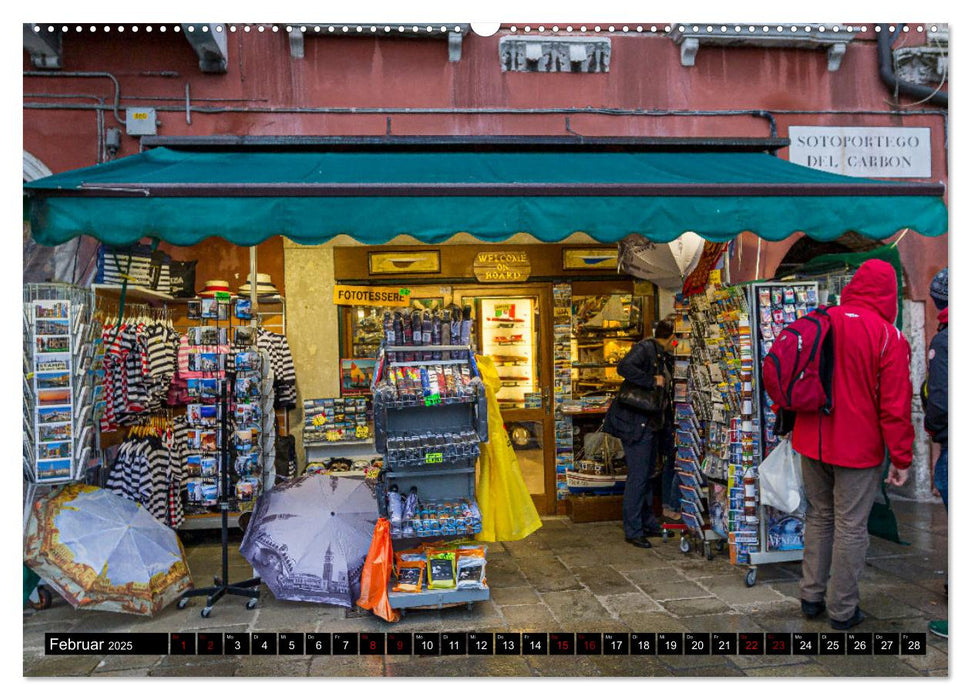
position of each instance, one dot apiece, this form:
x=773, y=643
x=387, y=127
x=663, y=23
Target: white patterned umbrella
x=308, y=538
x=103, y=552
x=665, y=264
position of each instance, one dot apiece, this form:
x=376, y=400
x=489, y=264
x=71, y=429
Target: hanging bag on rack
x=377, y=573
x=780, y=478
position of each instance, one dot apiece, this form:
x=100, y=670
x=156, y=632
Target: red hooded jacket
x=871, y=380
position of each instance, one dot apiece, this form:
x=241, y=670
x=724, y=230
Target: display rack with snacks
x=430, y=415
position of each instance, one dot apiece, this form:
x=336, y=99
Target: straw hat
x=213, y=286
x=264, y=286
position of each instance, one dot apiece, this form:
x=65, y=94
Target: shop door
x=513, y=326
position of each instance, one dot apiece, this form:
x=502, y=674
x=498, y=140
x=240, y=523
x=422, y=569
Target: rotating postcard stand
x=250, y=588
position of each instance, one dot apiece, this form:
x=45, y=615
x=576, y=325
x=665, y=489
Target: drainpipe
x=897, y=86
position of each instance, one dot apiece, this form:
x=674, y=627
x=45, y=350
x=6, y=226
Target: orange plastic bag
x=377, y=574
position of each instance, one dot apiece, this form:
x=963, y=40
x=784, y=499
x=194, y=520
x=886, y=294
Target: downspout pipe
x=890, y=79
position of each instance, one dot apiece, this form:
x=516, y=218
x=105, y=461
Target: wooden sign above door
x=502, y=266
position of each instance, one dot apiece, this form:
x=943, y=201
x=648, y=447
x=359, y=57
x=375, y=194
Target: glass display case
x=508, y=332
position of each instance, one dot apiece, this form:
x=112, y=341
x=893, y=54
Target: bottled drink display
x=411, y=517
x=431, y=449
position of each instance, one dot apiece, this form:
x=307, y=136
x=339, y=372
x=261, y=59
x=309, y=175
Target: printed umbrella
x=308, y=538
x=665, y=264
x=103, y=552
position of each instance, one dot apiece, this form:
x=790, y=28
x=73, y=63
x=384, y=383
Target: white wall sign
x=863, y=151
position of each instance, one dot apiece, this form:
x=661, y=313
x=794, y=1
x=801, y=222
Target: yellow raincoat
x=508, y=512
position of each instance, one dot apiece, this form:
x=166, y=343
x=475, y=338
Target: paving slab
x=652, y=622
x=121, y=662
x=273, y=666
x=709, y=671
x=676, y=588
x=630, y=666
x=580, y=557
x=680, y=664
x=628, y=602
x=127, y=673
x=724, y=622
x=806, y=670
x=879, y=666
x=288, y=616
x=561, y=666
x=745, y=662
x=732, y=589
x=572, y=606
x=604, y=580
x=515, y=595
x=528, y=617
x=219, y=669
x=50, y=666
x=346, y=666
x=934, y=660
x=695, y=606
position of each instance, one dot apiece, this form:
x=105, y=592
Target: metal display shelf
x=133, y=293
x=437, y=598
x=336, y=443
x=428, y=471
x=764, y=555
x=452, y=479
x=208, y=521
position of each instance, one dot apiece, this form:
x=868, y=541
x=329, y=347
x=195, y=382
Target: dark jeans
x=940, y=474
x=638, y=492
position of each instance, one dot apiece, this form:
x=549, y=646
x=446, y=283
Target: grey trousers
x=838, y=506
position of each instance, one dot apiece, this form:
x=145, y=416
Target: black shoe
x=847, y=624
x=654, y=532
x=813, y=610
x=641, y=542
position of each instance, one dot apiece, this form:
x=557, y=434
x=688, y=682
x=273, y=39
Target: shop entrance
x=513, y=326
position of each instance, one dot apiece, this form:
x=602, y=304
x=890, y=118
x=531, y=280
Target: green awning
x=184, y=197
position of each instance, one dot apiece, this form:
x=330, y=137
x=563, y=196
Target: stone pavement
x=565, y=577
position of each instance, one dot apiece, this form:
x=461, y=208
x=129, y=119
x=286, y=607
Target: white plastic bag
x=780, y=478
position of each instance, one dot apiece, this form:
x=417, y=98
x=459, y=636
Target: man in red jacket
x=842, y=453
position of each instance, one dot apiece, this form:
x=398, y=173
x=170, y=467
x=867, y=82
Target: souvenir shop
x=182, y=394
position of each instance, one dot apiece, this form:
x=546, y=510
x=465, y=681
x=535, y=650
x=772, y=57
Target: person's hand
x=659, y=379
x=897, y=477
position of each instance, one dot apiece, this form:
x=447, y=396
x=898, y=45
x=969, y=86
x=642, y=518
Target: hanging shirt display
x=281, y=363
x=148, y=470
x=138, y=366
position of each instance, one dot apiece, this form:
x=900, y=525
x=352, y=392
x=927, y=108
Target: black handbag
x=641, y=399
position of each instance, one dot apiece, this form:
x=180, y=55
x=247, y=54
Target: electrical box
x=140, y=121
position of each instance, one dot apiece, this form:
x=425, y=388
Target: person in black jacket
x=638, y=431
x=935, y=410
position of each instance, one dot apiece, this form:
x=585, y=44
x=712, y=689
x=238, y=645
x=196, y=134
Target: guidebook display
x=716, y=422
